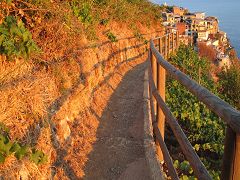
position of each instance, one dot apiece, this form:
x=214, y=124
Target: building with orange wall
x=181, y=27
x=178, y=10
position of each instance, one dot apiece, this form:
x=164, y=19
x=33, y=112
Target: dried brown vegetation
x=207, y=51
x=45, y=101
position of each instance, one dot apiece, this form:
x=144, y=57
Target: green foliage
x=83, y=12
x=183, y=168
x=8, y=147
x=123, y=10
x=100, y=2
x=104, y=22
x=135, y=1
x=230, y=85
x=15, y=39
x=38, y=157
x=111, y=37
x=203, y=128
x=8, y=1
x=20, y=151
x=139, y=36
x=5, y=145
x=3, y=128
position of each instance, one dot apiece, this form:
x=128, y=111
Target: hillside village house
x=177, y=19
x=215, y=43
x=168, y=19
x=203, y=35
x=188, y=16
x=212, y=24
x=222, y=36
x=223, y=61
x=179, y=10
x=196, y=27
x=184, y=38
x=199, y=15
x=182, y=28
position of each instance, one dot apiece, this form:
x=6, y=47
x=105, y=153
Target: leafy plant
x=38, y=157
x=3, y=128
x=104, y=22
x=5, y=145
x=183, y=168
x=20, y=151
x=139, y=36
x=83, y=13
x=100, y=2
x=8, y=147
x=111, y=37
x=230, y=84
x=15, y=39
x=204, y=129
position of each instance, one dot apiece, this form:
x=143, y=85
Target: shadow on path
x=118, y=152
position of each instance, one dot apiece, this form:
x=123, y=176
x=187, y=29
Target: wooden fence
x=161, y=112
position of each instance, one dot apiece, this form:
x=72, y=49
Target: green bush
x=204, y=129
x=15, y=39
x=111, y=37
x=83, y=13
x=135, y=1
x=230, y=85
x=104, y=22
x=100, y=2
x=8, y=147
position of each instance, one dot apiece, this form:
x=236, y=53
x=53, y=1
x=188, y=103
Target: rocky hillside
x=55, y=56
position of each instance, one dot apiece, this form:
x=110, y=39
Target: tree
x=230, y=84
x=207, y=51
x=203, y=128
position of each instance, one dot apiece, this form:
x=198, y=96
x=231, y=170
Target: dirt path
x=118, y=152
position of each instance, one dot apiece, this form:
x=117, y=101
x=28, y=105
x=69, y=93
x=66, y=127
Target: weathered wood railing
x=160, y=111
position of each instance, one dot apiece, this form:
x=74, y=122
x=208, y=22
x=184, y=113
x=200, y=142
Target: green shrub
x=100, y=2
x=8, y=147
x=38, y=157
x=104, y=22
x=183, y=168
x=111, y=37
x=230, y=85
x=15, y=39
x=83, y=13
x=204, y=129
x=139, y=36
x=134, y=1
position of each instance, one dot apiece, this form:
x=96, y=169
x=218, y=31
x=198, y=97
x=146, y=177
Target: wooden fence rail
x=160, y=111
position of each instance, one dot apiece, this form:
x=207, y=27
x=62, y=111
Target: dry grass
x=58, y=85
x=24, y=99
x=14, y=169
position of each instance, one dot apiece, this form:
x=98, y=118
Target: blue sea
x=227, y=11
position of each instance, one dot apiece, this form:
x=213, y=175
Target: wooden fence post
x=154, y=74
x=155, y=107
x=231, y=157
x=173, y=42
x=236, y=170
x=169, y=46
x=229, y=153
x=166, y=47
x=177, y=39
x=161, y=89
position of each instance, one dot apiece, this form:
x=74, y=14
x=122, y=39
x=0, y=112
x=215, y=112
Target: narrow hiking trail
x=118, y=152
